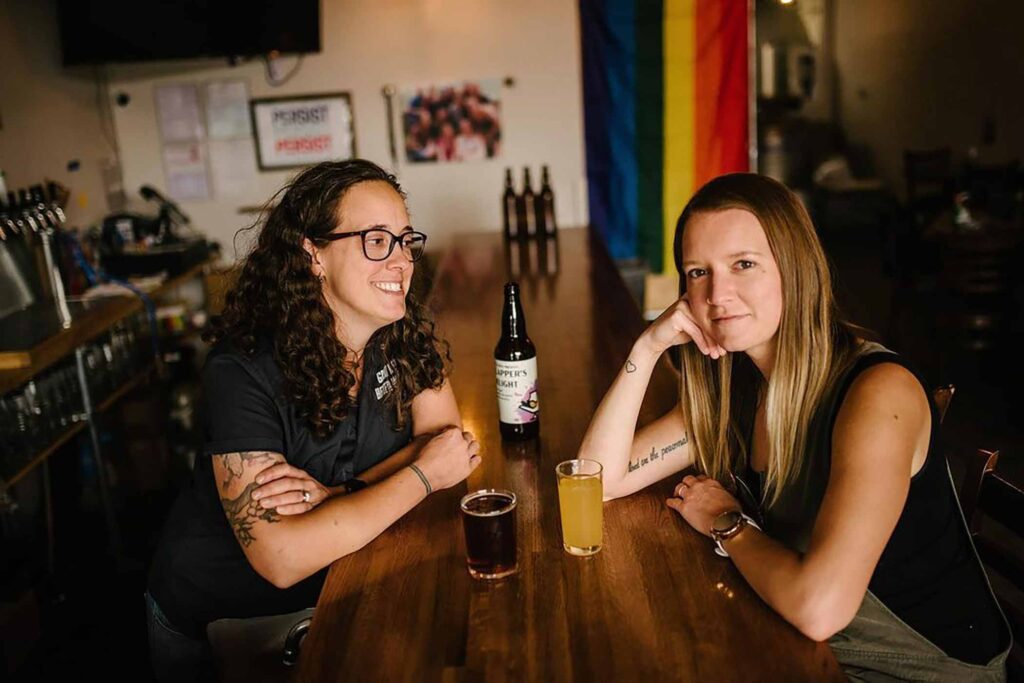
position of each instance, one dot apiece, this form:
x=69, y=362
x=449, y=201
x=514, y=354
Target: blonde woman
x=818, y=469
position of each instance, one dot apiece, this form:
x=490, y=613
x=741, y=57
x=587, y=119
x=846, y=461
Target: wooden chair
x=929, y=187
x=983, y=492
x=1002, y=501
x=929, y=183
x=995, y=188
x=979, y=274
x=942, y=397
x=258, y=649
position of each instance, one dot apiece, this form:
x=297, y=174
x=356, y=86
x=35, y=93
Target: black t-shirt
x=199, y=572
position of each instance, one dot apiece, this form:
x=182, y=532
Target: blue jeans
x=176, y=657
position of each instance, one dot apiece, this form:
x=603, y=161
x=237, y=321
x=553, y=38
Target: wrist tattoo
x=243, y=512
x=630, y=366
x=655, y=454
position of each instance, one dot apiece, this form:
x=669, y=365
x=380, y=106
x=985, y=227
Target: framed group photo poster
x=297, y=131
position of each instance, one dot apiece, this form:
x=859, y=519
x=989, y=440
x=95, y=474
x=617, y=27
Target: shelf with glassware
x=68, y=351
x=48, y=341
x=41, y=403
x=44, y=413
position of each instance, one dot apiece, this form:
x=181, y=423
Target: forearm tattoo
x=243, y=512
x=630, y=366
x=656, y=454
x=235, y=463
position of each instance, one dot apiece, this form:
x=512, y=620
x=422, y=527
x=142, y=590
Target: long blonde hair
x=812, y=344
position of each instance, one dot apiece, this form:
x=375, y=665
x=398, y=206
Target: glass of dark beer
x=489, y=521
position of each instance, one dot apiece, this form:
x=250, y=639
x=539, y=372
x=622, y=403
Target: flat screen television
x=98, y=31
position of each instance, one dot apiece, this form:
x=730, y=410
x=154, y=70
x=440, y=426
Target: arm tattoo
x=630, y=366
x=655, y=454
x=243, y=512
x=234, y=463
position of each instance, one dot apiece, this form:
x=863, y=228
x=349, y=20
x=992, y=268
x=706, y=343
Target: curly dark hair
x=277, y=297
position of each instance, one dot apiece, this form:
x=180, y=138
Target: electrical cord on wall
x=270, y=59
x=106, y=118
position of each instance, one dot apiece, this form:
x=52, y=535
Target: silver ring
x=305, y=496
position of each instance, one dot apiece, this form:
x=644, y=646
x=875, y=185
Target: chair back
x=985, y=494
x=929, y=183
x=258, y=649
x=995, y=188
x=942, y=396
x=979, y=274
x=980, y=263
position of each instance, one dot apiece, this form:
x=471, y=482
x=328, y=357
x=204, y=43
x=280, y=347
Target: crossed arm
x=284, y=549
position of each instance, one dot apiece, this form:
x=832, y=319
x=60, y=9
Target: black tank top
x=928, y=574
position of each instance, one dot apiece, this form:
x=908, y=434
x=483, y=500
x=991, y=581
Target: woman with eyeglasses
x=818, y=469
x=328, y=414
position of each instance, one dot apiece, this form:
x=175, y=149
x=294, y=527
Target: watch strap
x=720, y=536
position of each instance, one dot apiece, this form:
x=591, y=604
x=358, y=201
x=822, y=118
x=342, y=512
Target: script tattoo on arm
x=243, y=512
x=656, y=454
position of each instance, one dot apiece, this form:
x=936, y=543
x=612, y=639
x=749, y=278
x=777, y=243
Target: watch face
x=726, y=521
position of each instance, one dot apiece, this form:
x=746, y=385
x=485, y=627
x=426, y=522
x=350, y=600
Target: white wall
x=370, y=43
x=50, y=114
x=921, y=74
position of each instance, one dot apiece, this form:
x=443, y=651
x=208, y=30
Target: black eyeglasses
x=379, y=243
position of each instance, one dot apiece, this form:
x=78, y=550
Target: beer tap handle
x=56, y=283
x=31, y=222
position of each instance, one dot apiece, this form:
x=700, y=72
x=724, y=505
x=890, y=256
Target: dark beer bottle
x=546, y=206
x=527, y=209
x=515, y=365
x=509, y=208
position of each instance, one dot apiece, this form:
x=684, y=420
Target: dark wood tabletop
x=656, y=603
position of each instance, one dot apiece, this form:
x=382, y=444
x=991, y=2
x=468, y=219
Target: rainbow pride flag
x=665, y=89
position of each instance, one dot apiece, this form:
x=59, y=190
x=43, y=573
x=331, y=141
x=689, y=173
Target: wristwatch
x=353, y=485
x=727, y=525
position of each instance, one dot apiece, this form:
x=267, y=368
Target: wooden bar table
x=655, y=604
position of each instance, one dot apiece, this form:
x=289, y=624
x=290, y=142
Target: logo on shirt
x=386, y=380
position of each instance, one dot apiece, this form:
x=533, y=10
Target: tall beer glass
x=579, y=500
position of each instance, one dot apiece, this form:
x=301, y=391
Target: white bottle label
x=517, y=390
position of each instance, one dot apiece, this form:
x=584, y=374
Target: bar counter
x=655, y=604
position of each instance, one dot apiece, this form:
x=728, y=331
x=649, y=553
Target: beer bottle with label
x=546, y=206
x=527, y=208
x=508, y=207
x=515, y=364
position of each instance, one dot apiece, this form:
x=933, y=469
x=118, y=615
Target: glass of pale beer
x=580, y=496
